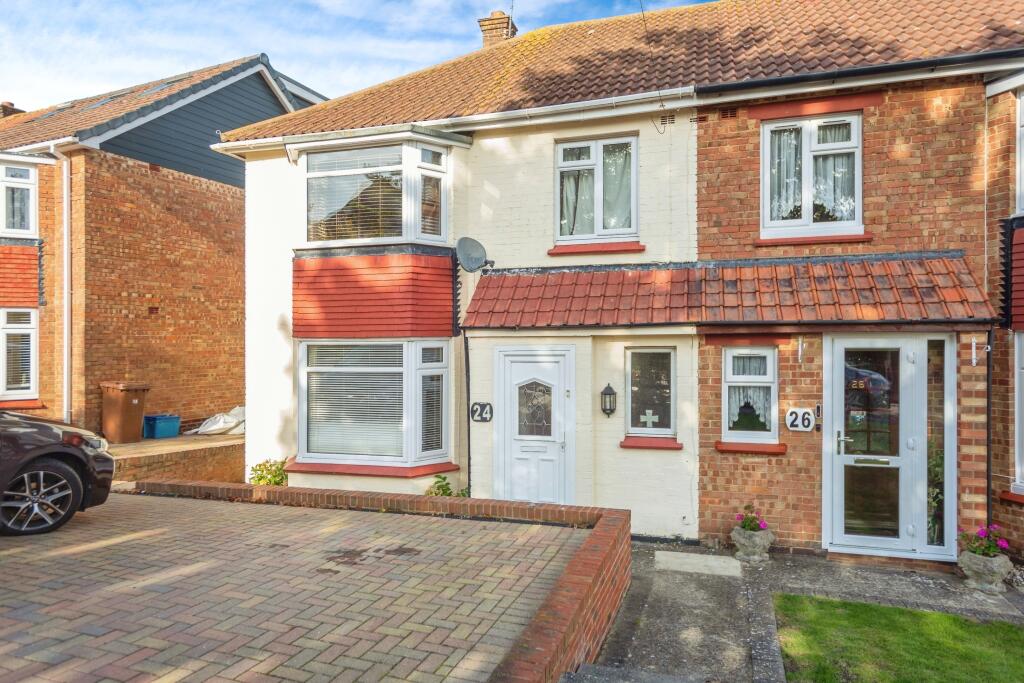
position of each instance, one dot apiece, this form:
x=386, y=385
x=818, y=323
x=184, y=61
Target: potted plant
x=982, y=559
x=751, y=536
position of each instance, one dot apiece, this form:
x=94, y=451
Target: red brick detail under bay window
x=597, y=248
x=19, y=277
x=815, y=107
x=401, y=472
x=367, y=296
x=1016, y=280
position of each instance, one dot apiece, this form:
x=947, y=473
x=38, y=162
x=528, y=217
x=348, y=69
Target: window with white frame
x=372, y=194
x=370, y=402
x=19, y=353
x=811, y=177
x=595, y=189
x=1017, y=485
x=651, y=391
x=18, y=208
x=750, y=395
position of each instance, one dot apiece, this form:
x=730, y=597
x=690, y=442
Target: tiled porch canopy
x=921, y=287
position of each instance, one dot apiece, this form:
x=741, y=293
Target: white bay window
x=811, y=177
x=19, y=354
x=382, y=403
x=596, y=189
x=750, y=395
x=18, y=189
x=391, y=193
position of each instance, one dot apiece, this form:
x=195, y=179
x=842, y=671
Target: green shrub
x=443, y=487
x=269, y=473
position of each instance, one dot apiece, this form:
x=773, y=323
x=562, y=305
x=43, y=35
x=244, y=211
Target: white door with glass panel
x=533, y=418
x=892, y=426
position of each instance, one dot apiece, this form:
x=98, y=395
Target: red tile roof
x=727, y=41
x=90, y=113
x=926, y=287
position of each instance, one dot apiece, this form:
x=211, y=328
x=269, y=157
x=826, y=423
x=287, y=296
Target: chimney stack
x=496, y=28
x=8, y=109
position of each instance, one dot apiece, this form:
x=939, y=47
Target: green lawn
x=831, y=640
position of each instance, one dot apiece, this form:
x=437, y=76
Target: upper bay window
x=371, y=194
x=596, y=189
x=374, y=403
x=18, y=202
x=811, y=177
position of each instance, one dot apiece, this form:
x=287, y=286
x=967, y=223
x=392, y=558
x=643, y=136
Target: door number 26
x=800, y=420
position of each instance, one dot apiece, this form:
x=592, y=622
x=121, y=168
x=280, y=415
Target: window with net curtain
x=360, y=193
x=812, y=183
x=749, y=395
x=596, y=188
x=651, y=382
x=359, y=407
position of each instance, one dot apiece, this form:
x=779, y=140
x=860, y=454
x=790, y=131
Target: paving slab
x=147, y=587
x=697, y=563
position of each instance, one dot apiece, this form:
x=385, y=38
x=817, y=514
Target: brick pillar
x=972, y=433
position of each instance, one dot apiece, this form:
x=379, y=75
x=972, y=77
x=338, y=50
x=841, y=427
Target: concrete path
x=692, y=616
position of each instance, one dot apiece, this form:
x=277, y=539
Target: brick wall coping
x=401, y=472
x=571, y=624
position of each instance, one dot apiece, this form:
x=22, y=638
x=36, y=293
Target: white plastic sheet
x=232, y=422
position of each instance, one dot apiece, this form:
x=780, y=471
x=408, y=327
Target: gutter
x=935, y=63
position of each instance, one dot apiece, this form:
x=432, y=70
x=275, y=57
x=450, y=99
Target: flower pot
x=985, y=574
x=752, y=546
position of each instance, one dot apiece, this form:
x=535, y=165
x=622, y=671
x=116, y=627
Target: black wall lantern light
x=608, y=400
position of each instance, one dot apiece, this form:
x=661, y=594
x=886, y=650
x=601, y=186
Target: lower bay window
x=19, y=354
x=380, y=403
x=750, y=395
x=650, y=406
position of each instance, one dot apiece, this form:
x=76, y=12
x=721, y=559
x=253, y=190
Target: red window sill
x=751, y=448
x=369, y=470
x=1010, y=497
x=27, y=404
x=828, y=239
x=597, y=248
x=664, y=443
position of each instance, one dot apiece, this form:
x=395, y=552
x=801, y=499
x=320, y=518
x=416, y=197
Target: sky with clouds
x=57, y=50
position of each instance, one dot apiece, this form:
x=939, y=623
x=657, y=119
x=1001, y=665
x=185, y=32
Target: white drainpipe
x=66, y=276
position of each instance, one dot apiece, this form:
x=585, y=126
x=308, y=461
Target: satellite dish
x=471, y=254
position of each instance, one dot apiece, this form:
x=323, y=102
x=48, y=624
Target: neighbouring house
x=744, y=252
x=121, y=243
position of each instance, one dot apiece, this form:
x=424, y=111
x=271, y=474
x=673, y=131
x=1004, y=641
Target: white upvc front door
x=534, y=423
x=889, y=446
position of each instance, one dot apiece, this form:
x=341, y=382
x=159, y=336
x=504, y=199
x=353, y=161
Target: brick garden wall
x=923, y=176
x=159, y=286
x=573, y=621
x=217, y=463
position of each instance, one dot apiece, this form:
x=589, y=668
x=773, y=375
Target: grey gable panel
x=181, y=139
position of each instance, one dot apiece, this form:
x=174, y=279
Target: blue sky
x=56, y=50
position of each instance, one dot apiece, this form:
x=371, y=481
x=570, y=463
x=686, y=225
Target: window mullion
x=598, y=188
x=807, y=215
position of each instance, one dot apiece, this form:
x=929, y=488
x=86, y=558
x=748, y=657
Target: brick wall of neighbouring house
x=923, y=153
x=787, y=489
x=159, y=291
x=1002, y=184
x=19, y=276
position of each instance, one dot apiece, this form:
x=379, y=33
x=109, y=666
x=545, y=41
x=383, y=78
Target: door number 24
x=800, y=420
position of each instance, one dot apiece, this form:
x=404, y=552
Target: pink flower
x=763, y=524
x=1003, y=544
x=739, y=516
x=995, y=526
x=982, y=532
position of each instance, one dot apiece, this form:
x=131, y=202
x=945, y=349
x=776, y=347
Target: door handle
x=840, y=440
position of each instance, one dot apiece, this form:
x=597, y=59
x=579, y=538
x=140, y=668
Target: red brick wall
x=159, y=291
x=786, y=489
x=923, y=152
x=393, y=295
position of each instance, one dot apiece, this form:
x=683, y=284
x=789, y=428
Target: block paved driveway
x=147, y=588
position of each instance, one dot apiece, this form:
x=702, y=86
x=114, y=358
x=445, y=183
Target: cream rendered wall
x=504, y=190
x=658, y=486
x=341, y=482
x=274, y=210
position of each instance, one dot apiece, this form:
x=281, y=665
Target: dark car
x=48, y=472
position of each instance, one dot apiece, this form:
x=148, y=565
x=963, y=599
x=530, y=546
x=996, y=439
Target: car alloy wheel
x=36, y=501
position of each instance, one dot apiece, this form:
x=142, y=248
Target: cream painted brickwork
x=659, y=487
x=504, y=190
x=340, y=482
